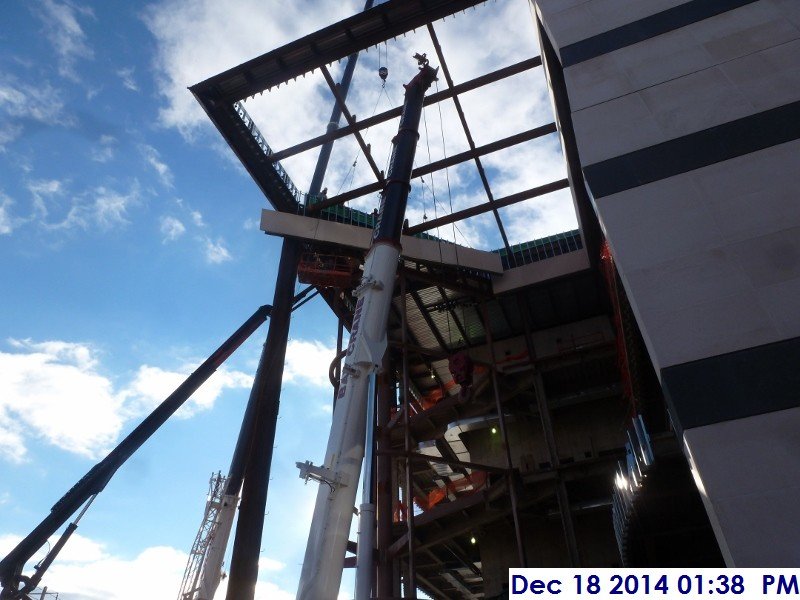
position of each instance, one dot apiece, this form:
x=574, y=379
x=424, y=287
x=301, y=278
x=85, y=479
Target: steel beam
x=470, y=141
x=351, y=121
x=512, y=140
x=266, y=395
x=436, y=459
x=395, y=112
x=487, y=206
x=333, y=43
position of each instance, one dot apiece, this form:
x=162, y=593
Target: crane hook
x=383, y=73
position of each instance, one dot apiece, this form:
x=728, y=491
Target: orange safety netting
x=475, y=480
x=610, y=273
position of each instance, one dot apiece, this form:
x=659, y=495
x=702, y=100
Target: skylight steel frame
x=315, y=51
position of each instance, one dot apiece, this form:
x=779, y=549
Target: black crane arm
x=99, y=475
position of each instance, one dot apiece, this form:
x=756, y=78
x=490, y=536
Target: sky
x=130, y=249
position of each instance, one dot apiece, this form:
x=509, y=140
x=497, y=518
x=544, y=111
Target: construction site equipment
x=324, y=559
x=204, y=568
x=328, y=270
x=91, y=484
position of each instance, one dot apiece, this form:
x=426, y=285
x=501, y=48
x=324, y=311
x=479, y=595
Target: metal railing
x=540, y=249
x=262, y=143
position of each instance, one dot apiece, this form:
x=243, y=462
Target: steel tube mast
x=324, y=559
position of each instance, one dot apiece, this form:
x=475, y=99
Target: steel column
x=550, y=439
x=266, y=393
x=512, y=488
x=411, y=581
x=333, y=123
x=383, y=501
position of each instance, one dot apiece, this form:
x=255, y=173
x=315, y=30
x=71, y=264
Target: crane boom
x=324, y=559
x=98, y=476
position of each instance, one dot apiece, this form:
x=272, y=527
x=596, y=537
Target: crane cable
x=352, y=171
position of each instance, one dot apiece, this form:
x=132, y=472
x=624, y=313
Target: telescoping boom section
x=338, y=477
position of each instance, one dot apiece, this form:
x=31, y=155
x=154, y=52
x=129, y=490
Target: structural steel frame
x=219, y=97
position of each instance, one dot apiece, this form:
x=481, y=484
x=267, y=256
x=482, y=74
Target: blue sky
x=129, y=250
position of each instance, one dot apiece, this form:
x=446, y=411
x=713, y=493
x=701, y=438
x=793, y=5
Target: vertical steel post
x=550, y=440
x=266, y=393
x=383, y=496
x=411, y=581
x=512, y=487
x=333, y=123
x=339, y=339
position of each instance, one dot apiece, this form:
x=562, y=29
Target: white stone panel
x=752, y=195
x=569, y=22
x=635, y=67
x=769, y=78
x=768, y=259
x=711, y=258
x=724, y=324
x=782, y=303
x=665, y=220
x=707, y=43
x=790, y=9
x=615, y=128
x=536, y=272
x=749, y=477
x=695, y=102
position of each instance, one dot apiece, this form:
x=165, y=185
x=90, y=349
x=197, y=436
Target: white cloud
x=152, y=384
x=54, y=207
x=197, y=218
x=199, y=38
x=86, y=570
x=126, y=75
x=22, y=102
x=46, y=391
x=171, y=229
x=251, y=225
x=7, y=223
x=64, y=32
x=48, y=387
x=270, y=564
x=42, y=190
x=8, y=133
x=265, y=590
x=100, y=207
x=109, y=207
x=215, y=251
x=307, y=362
x=153, y=158
x=104, y=151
